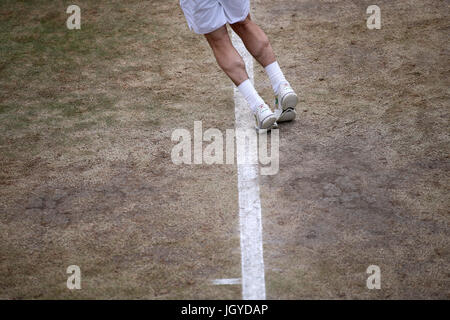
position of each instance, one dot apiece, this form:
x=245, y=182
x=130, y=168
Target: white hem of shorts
x=206, y=31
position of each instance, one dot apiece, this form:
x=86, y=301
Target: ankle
x=275, y=75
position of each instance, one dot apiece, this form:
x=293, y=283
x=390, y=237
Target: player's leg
x=232, y=64
x=226, y=55
x=255, y=40
x=258, y=44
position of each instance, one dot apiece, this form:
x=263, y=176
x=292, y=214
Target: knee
x=247, y=29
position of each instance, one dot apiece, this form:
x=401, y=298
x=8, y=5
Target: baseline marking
x=252, y=261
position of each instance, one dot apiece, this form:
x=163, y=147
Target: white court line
x=253, y=283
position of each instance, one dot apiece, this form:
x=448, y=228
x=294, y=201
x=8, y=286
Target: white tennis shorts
x=205, y=16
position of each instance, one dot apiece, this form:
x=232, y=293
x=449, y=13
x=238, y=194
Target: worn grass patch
x=85, y=171
x=67, y=81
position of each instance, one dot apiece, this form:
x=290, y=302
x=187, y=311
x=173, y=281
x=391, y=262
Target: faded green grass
x=55, y=80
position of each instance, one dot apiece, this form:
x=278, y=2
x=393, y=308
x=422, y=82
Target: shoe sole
x=287, y=115
x=289, y=101
x=288, y=104
x=267, y=123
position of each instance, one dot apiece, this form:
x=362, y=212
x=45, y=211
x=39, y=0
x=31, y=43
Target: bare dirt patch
x=365, y=169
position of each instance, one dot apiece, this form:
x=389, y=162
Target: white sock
x=276, y=76
x=250, y=95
